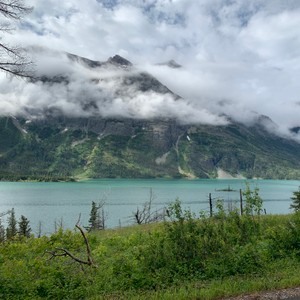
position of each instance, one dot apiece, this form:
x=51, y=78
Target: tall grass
x=187, y=256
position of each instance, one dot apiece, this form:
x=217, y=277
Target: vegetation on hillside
x=68, y=149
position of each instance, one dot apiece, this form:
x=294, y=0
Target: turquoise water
x=63, y=202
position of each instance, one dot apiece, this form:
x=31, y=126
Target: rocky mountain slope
x=48, y=144
x=99, y=148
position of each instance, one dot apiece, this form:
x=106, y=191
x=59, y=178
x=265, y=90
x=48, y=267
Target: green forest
x=73, y=149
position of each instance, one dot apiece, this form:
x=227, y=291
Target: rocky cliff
x=100, y=148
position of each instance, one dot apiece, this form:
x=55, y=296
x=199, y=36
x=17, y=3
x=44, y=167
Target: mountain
x=63, y=147
x=60, y=146
x=171, y=64
x=116, y=60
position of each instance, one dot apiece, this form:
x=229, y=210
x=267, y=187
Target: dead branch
x=146, y=215
x=88, y=248
x=62, y=252
x=14, y=9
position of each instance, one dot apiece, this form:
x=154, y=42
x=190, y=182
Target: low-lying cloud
x=240, y=58
x=73, y=89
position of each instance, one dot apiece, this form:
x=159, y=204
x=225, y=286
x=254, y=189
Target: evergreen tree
x=296, y=201
x=2, y=233
x=24, y=228
x=11, y=230
x=96, y=221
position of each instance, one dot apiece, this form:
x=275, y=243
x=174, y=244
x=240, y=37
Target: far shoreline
x=74, y=180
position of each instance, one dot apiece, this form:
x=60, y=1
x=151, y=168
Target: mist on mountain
x=76, y=86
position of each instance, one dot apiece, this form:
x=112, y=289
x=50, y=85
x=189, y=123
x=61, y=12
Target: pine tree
x=93, y=217
x=97, y=218
x=2, y=233
x=24, y=228
x=296, y=201
x=11, y=230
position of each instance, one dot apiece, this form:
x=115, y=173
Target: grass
x=185, y=258
x=283, y=274
x=278, y=274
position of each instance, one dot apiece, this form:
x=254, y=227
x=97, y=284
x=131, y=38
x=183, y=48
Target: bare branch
x=13, y=60
x=14, y=9
x=146, y=215
x=19, y=66
x=88, y=248
x=62, y=252
x=13, y=51
x=78, y=221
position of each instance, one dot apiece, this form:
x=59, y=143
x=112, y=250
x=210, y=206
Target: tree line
x=20, y=228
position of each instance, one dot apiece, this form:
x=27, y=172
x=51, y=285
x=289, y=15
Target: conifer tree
x=296, y=201
x=11, y=230
x=93, y=221
x=97, y=218
x=24, y=228
x=2, y=233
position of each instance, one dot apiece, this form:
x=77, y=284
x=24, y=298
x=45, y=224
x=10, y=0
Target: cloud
x=239, y=57
x=69, y=87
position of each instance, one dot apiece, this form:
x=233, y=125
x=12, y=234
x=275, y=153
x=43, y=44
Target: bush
x=185, y=247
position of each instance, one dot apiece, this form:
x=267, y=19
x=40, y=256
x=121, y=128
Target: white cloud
x=239, y=56
x=76, y=90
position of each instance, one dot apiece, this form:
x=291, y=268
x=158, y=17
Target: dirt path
x=287, y=294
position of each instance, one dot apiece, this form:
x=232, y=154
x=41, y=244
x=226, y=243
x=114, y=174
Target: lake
x=51, y=202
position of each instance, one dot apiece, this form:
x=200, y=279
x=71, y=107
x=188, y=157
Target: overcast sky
x=239, y=57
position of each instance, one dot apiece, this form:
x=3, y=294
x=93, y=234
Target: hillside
x=101, y=148
x=94, y=119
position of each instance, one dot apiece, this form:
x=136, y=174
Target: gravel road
x=286, y=294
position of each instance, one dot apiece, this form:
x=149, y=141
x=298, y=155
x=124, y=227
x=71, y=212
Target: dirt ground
x=287, y=294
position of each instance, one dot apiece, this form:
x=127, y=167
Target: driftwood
x=64, y=252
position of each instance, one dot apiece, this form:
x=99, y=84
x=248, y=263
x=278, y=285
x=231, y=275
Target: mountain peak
x=295, y=129
x=171, y=64
x=119, y=60
x=85, y=61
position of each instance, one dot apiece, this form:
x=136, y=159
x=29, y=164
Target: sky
x=239, y=58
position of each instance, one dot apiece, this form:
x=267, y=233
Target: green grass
x=184, y=258
x=284, y=274
x=276, y=274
